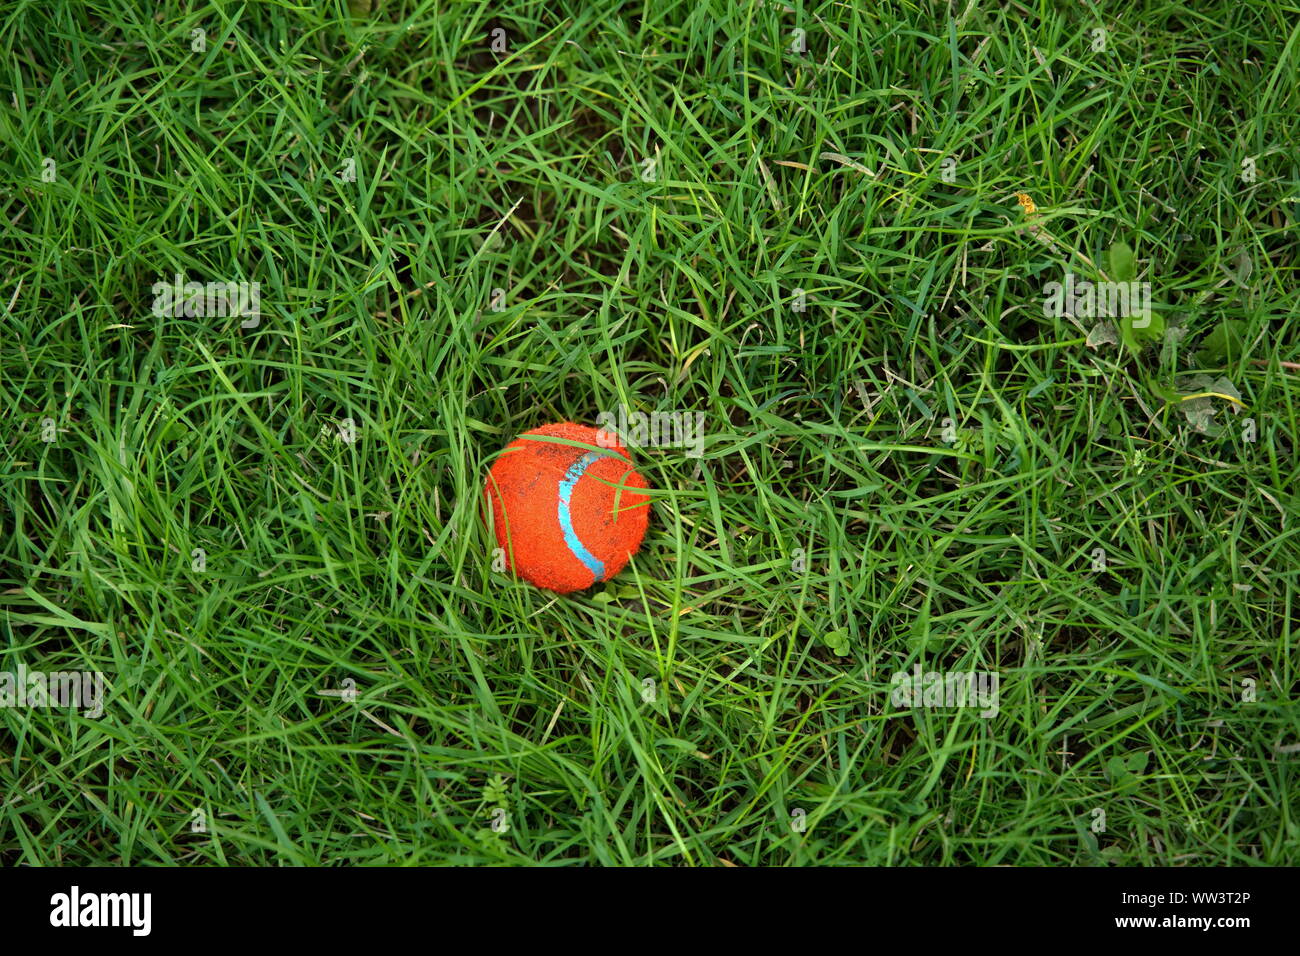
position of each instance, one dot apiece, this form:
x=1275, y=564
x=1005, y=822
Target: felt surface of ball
x=567, y=515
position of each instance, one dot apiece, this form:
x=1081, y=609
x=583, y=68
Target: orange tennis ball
x=567, y=512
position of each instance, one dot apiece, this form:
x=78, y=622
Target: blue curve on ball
x=571, y=477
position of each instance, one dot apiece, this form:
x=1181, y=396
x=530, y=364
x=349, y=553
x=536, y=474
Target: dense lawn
x=830, y=229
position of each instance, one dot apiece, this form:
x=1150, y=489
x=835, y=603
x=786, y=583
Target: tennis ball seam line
x=575, y=545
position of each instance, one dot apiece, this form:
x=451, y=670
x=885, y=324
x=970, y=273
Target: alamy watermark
x=656, y=429
x=75, y=909
x=208, y=299
x=946, y=689
x=1090, y=300
x=82, y=690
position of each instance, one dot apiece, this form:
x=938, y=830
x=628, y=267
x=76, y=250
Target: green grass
x=920, y=467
